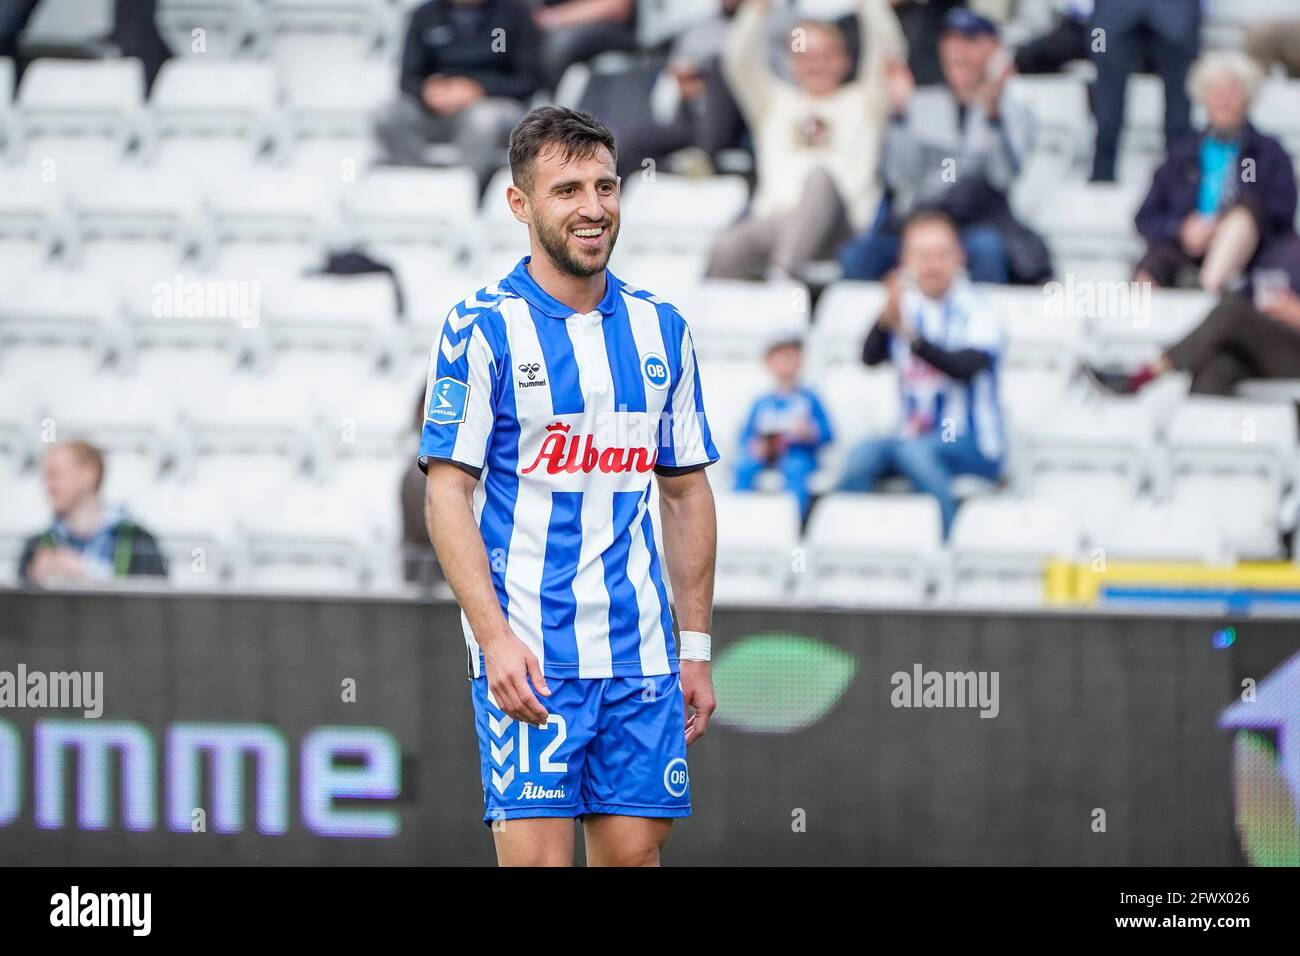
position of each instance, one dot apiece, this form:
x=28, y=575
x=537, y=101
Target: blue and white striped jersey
x=565, y=418
x=932, y=401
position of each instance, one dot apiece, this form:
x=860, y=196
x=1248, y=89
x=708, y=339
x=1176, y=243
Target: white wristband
x=695, y=646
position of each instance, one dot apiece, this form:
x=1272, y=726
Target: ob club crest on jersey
x=655, y=369
x=448, y=399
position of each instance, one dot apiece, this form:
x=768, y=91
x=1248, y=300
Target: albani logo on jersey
x=579, y=454
x=532, y=791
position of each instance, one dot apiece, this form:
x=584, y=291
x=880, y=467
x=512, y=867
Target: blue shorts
x=611, y=745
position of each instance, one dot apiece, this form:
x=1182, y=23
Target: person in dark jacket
x=1224, y=195
x=87, y=541
x=468, y=70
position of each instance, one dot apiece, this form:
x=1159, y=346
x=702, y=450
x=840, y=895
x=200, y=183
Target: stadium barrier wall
x=1110, y=739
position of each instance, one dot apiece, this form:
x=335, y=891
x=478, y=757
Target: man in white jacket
x=817, y=140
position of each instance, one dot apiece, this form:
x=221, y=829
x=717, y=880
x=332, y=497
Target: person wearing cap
x=956, y=148
x=87, y=542
x=786, y=426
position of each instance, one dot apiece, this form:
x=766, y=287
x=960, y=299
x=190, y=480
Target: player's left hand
x=697, y=691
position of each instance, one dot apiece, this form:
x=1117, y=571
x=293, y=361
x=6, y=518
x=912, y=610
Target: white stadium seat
x=356, y=313
x=272, y=225
x=69, y=24
x=999, y=547
x=215, y=29
x=34, y=221
x=336, y=30
x=730, y=387
x=734, y=318
x=212, y=119
x=196, y=536
x=61, y=309
x=866, y=549
x=1142, y=531
x=416, y=220
x=1094, y=455
x=1043, y=331
x=1234, y=460
x=78, y=117
x=845, y=314
x=135, y=229
x=24, y=512
x=124, y=416
x=252, y=423
x=320, y=99
x=1059, y=103
x=758, y=533
x=1276, y=111
x=1091, y=222
x=862, y=403
x=681, y=215
x=311, y=539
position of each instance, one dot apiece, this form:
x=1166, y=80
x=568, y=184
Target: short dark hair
x=930, y=217
x=578, y=134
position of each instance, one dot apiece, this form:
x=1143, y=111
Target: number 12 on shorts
x=545, y=764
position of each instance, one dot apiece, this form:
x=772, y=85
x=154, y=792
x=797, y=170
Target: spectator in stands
x=1066, y=40
x=468, y=70
x=957, y=148
x=576, y=30
x=786, y=427
x=1276, y=42
x=1222, y=196
x=87, y=542
x=1165, y=31
x=1245, y=336
x=945, y=342
x=817, y=141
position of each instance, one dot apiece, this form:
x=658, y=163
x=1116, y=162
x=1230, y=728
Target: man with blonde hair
x=87, y=542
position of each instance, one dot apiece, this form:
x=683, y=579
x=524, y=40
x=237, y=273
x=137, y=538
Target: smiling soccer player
x=554, y=396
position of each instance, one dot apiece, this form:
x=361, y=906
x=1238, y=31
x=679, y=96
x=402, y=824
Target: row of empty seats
x=862, y=550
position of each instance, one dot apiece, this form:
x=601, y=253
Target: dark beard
x=555, y=245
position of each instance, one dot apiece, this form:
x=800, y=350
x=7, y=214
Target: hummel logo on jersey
x=531, y=369
x=532, y=791
x=559, y=459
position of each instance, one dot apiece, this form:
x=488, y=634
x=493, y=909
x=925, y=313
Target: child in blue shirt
x=785, y=427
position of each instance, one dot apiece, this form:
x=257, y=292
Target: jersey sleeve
x=460, y=401
x=685, y=442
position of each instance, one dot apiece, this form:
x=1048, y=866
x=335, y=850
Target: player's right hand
x=510, y=668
